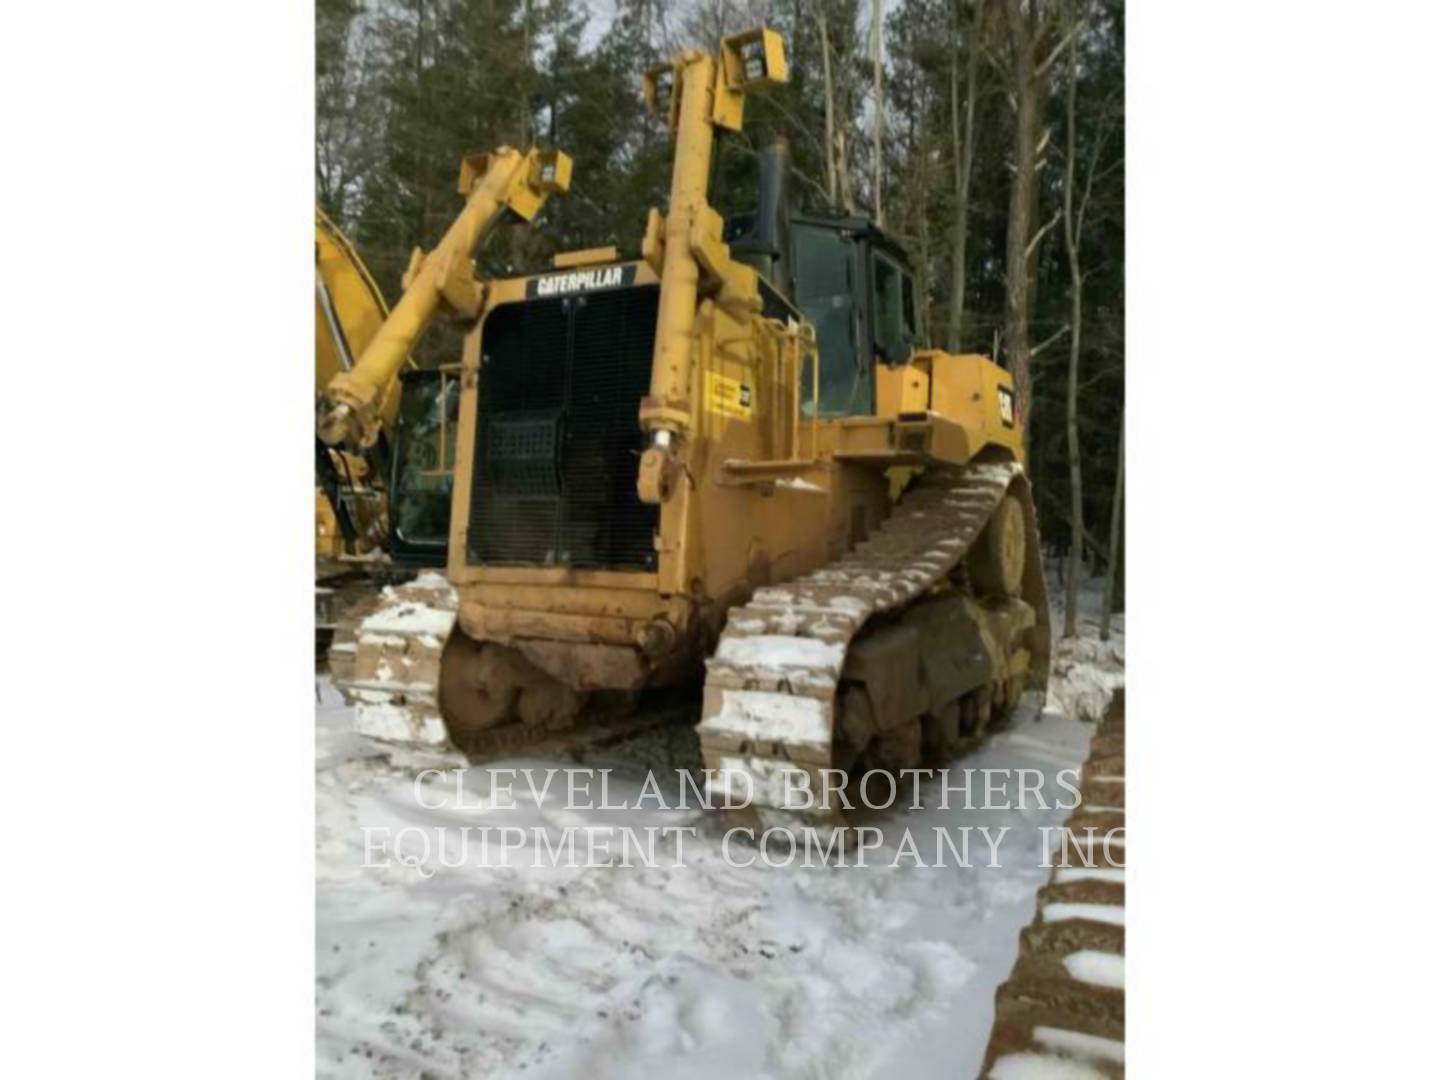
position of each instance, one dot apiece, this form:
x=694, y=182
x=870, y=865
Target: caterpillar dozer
x=729, y=456
x=383, y=468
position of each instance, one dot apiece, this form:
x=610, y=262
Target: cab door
x=829, y=291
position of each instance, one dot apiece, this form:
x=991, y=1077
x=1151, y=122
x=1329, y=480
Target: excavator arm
x=354, y=401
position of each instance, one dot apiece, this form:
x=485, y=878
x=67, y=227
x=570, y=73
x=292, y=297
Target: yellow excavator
x=730, y=456
x=351, y=510
x=382, y=497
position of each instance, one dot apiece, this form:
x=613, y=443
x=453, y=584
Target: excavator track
x=884, y=655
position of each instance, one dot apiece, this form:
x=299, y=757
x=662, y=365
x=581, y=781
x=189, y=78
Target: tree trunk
x=1072, y=445
x=1017, y=253
x=876, y=51
x=421, y=187
x=1111, y=564
x=831, y=182
x=842, y=171
x=921, y=140
x=964, y=159
x=524, y=95
x=1072, y=384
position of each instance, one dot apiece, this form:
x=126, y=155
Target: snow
x=797, y=484
x=1100, y=968
x=1028, y=1066
x=443, y=959
x=410, y=618
x=751, y=713
x=1090, y=873
x=380, y=719
x=999, y=472
x=707, y=968
x=1080, y=1044
x=779, y=651
x=768, y=782
x=1086, y=670
x=1106, y=913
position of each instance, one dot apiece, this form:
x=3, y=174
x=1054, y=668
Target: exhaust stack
x=766, y=245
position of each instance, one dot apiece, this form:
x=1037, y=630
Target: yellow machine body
x=749, y=494
x=764, y=507
x=760, y=493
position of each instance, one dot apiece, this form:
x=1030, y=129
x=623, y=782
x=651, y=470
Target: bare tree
x=877, y=26
x=1074, y=221
x=917, y=204
x=837, y=154
x=831, y=175
x=1074, y=213
x=526, y=137
x=1029, y=25
x=964, y=150
x=1112, y=562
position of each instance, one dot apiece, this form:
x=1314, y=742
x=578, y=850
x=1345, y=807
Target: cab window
x=894, y=308
x=420, y=496
x=826, y=294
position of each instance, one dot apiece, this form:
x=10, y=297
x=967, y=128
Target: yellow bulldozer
x=730, y=456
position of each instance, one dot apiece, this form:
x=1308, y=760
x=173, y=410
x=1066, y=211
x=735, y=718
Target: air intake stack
x=766, y=244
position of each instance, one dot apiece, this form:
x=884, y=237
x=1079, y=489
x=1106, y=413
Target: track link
x=385, y=660
x=773, y=692
x=1063, y=1006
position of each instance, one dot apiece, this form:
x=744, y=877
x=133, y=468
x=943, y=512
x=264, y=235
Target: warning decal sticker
x=728, y=397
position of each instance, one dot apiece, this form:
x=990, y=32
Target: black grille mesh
x=566, y=373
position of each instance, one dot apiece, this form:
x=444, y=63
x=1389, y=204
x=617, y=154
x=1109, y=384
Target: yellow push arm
x=492, y=183
x=696, y=93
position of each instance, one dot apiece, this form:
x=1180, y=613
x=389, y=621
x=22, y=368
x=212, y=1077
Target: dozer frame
x=660, y=462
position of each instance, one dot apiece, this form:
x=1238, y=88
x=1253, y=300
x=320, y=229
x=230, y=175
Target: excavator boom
x=493, y=184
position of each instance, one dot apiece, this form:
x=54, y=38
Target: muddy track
x=773, y=690
x=1065, y=998
x=772, y=681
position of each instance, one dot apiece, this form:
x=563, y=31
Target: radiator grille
x=558, y=443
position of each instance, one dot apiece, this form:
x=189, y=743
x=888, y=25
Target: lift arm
x=494, y=183
x=697, y=93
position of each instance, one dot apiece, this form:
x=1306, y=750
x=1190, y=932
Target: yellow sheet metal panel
x=587, y=257
x=901, y=389
x=979, y=395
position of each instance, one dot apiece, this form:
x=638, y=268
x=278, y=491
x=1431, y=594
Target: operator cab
x=852, y=281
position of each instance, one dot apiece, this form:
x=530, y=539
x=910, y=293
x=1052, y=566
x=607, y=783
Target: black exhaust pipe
x=766, y=244
x=772, y=218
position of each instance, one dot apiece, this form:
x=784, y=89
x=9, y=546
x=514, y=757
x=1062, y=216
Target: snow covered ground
x=500, y=967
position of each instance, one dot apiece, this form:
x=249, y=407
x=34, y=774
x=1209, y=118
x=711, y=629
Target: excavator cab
x=422, y=467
